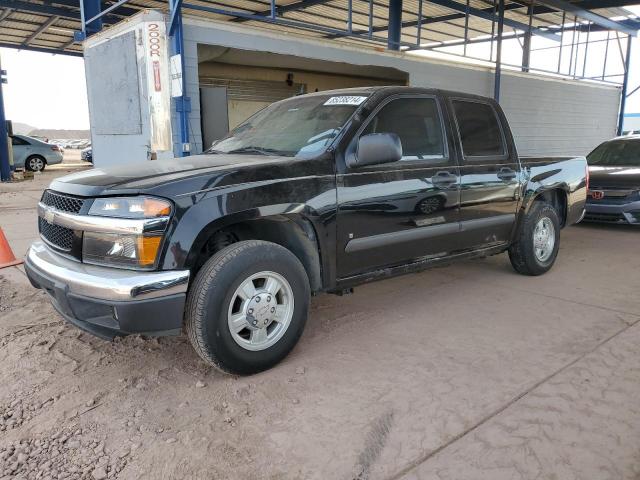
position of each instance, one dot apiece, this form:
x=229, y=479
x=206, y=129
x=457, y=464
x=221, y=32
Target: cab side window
x=480, y=131
x=417, y=122
x=18, y=141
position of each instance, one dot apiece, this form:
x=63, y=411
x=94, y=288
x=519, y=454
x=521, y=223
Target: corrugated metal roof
x=49, y=25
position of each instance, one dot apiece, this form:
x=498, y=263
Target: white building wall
x=548, y=116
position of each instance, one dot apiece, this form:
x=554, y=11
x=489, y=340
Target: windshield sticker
x=346, y=100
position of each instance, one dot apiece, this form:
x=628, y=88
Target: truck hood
x=614, y=177
x=149, y=177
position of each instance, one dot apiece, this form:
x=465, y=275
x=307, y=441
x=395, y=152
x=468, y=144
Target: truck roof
x=398, y=89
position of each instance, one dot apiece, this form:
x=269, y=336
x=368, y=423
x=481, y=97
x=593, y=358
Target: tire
x=35, y=163
x=214, y=301
x=525, y=257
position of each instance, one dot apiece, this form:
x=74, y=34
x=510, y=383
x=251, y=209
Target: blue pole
x=395, y=24
x=5, y=169
x=183, y=103
x=88, y=10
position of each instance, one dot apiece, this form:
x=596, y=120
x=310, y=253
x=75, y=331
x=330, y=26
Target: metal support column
x=88, y=10
x=5, y=170
x=564, y=18
x=496, y=84
x=625, y=85
x=395, y=24
x=526, y=44
x=183, y=102
x=466, y=29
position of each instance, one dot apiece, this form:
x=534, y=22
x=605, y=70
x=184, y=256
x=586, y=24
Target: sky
x=49, y=91
x=45, y=90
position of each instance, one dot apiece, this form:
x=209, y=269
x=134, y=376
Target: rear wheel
x=35, y=163
x=248, y=307
x=536, y=247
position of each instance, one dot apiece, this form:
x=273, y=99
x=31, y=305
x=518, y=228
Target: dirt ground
x=464, y=372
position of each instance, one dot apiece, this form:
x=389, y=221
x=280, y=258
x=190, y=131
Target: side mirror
x=376, y=148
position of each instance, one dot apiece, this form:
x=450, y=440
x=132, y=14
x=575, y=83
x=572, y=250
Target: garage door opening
x=235, y=84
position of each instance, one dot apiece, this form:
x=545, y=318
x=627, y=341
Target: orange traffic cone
x=7, y=258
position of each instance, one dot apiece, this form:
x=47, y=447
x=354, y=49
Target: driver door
x=396, y=213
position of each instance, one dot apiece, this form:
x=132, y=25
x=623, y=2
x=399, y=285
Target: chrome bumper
x=103, y=283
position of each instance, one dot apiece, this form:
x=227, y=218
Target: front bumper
x=108, y=302
x=622, y=213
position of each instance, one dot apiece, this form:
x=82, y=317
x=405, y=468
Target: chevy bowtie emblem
x=49, y=214
x=597, y=194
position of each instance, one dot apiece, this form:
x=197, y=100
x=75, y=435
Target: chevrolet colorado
x=317, y=193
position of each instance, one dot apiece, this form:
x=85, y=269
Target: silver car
x=34, y=154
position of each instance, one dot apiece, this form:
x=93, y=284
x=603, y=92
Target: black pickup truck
x=317, y=193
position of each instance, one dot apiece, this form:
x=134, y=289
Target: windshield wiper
x=260, y=150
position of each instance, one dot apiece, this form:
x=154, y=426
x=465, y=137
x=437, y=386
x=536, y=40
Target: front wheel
x=536, y=246
x=35, y=163
x=247, y=307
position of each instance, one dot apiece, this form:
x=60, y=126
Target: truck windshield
x=301, y=126
x=619, y=153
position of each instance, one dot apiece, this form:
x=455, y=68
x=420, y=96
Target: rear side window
x=480, y=131
x=417, y=122
x=18, y=141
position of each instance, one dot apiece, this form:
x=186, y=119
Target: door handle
x=444, y=179
x=506, y=174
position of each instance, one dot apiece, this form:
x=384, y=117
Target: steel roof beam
x=40, y=29
x=30, y=48
x=593, y=4
x=581, y=27
x=5, y=13
x=478, y=12
x=585, y=14
x=120, y=10
x=39, y=9
x=310, y=3
x=291, y=7
x=431, y=20
x=48, y=10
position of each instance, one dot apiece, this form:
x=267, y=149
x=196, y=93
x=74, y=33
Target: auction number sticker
x=345, y=100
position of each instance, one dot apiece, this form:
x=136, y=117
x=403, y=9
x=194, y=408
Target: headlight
x=130, y=207
x=127, y=251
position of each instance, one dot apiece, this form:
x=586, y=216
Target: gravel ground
x=467, y=371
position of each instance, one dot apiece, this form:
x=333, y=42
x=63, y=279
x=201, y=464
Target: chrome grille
x=64, y=203
x=56, y=235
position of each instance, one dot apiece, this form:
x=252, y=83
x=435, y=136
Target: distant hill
x=60, y=134
x=51, y=133
x=22, y=128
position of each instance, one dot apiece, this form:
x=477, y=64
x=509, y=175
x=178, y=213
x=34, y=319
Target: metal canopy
x=453, y=27
x=49, y=25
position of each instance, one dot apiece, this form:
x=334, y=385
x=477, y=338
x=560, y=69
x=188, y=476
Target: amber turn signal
x=148, y=250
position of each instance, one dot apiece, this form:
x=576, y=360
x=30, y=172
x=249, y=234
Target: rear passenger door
x=489, y=173
x=399, y=212
x=21, y=149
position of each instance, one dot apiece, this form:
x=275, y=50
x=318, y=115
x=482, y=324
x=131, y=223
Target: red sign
x=156, y=76
x=597, y=194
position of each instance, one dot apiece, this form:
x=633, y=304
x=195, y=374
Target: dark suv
x=614, y=194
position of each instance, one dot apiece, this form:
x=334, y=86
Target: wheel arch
x=557, y=196
x=292, y=231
